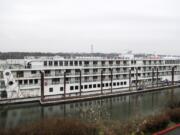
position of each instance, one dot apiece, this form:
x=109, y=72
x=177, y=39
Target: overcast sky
x=151, y=26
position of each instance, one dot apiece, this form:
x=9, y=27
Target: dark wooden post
x=64, y=83
x=101, y=81
x=129, y=79
x=42, y=85
x=80, y=76
x=111, y=70
x=152, y=77
x=157, y=75
x=173, y=69
x=136, y=78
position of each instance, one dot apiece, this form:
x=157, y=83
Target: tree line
x=21, y=55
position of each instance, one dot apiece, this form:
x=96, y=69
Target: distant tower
x=92, y=48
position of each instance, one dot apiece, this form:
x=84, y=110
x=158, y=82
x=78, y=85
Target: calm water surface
x=120, y=108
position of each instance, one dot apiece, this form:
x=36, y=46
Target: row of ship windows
x=35, y=81
x=90, y=86
x=76, y=63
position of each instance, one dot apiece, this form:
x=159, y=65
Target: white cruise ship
x=77, y=76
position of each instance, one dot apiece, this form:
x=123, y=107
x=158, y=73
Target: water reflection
x=117, y=108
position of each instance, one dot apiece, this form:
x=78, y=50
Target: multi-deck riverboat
x=75, y=76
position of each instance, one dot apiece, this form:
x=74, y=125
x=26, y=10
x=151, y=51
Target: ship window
x=61, y=88
x=76, y=87
x=45, y=63
x=71, y=63
x=103, y=85
x=50, y=89
x=94, y=85
x=25, y=81
x=50, y=63
x=30, y=81
x=33, y=72
x=55, y=63
x=76, y=63
x=60, y=63
x=20, y=82
x=121, y=83
x=118, y=83
x=114, y=84
x=86, y=62
x=90, y=86
x=47, y=72
x=85, y=86
x=107, y=84
x=124, y=83
x=81, y=86
x=80, y=63
x=66, y=63
x=71, y=87
x=95, y=62
x=20, y=74
x=99, y=85
x=36, y=81
x=55, y=80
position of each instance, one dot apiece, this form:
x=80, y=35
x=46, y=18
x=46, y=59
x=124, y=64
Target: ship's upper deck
x=56, y=61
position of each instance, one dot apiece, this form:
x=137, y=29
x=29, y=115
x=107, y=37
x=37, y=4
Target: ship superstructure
x=75, y=76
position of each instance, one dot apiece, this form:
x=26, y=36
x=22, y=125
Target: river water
x=120, y=108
